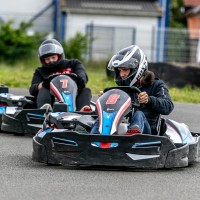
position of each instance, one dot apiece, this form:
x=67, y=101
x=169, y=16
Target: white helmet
x=131, y=57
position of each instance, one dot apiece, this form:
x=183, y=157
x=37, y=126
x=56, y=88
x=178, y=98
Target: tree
x=15, y=43
x=76, y=46
x=177, y=17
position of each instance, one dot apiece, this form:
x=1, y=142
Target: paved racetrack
x=23, y=179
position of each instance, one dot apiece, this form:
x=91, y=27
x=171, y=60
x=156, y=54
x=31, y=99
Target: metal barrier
x=160, y=45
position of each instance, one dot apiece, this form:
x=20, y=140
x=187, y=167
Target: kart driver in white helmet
x=130, y=67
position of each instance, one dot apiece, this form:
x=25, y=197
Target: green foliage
x=98, y=79
x=76, y=46
x=96, y=64
x=177, y=19
x=16, y=76
x=15, y=43
x=187, y=94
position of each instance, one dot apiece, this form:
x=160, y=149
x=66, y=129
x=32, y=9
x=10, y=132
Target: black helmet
x=133, y=58
x=51, y=47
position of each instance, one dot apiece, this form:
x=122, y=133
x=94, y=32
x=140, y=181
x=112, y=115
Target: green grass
x=186, y=94
x=98, y=80
x=21, y=75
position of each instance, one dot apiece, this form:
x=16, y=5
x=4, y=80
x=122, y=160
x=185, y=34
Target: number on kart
x=112, y=99
x=64, y=83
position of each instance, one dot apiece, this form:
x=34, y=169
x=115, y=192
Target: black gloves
x=80, y=82
x=46, y=83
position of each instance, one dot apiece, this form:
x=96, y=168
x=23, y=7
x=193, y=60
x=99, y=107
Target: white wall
x=144, y=26
x=24, y=10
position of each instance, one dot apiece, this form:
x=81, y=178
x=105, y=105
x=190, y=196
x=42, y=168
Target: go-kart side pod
x=24, y=122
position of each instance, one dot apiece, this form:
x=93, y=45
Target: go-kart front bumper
x=137, y=151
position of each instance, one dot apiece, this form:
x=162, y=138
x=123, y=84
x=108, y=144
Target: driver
x=131, y=69
x=53, y=62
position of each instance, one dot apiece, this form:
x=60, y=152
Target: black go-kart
x=66, y=140
x=29, y=120
x=9, y=102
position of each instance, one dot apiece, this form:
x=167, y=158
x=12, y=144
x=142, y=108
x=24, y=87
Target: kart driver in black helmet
x=131, y=69
x=53, y=62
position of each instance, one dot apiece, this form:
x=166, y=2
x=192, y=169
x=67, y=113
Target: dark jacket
x=67, y=66
x=159, y=102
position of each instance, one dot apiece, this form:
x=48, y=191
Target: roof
x=194, y=11
x=113, y=7
x=191, y=3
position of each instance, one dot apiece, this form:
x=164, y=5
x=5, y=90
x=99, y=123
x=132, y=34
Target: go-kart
x=66, y=140
x=29, y=121
x=13, y=102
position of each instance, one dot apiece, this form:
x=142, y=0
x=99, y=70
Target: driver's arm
x=161, y=101
x=79, y=70
x=36, y=83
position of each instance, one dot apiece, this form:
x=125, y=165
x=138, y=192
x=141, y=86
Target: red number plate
x=112, y=99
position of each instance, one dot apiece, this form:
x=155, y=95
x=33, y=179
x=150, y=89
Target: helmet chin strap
x=136, y=80
x=137, y=84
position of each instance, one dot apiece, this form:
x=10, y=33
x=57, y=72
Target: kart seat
x=161, y=126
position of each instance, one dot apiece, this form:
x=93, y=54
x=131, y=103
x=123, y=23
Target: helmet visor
x=48, y=49
x=119, y=61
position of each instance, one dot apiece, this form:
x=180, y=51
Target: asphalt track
x=23, y=179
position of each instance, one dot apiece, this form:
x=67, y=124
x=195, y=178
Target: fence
x=160, y=45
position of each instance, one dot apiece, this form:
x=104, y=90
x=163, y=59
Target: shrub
x=76, y=46
x=15, y=43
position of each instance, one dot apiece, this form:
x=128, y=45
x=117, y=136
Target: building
x=192, y=8
x=110, y=24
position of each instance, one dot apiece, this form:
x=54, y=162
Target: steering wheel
x=72, y=75
x=129, y=90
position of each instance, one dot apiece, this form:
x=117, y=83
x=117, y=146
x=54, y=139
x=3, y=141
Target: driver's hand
x=143, y=97
x=46, y=83
x=100, y=93
x=80, y=82
x=78, y=79
x=39, y=86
